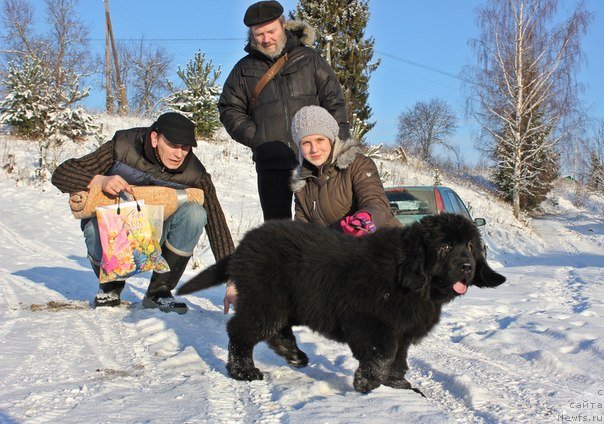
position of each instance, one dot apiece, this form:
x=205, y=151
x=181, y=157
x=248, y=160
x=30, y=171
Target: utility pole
x=122, y=102
x=108, y=90
x=328, y=38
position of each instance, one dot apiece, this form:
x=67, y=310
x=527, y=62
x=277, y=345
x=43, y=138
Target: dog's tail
x=211, y=276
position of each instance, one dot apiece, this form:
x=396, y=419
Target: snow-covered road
x=528, y=351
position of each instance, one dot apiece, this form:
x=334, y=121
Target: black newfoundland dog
x=377, y=293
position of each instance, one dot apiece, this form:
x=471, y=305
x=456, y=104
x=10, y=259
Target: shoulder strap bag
x=269, y=75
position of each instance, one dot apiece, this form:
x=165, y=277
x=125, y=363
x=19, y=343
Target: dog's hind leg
x=284, y=344
x=242, y=340
x=374, y=345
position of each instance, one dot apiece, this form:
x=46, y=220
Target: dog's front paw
x=243, y=372
x=364, y=381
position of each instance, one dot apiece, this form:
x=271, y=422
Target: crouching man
x=158, y=155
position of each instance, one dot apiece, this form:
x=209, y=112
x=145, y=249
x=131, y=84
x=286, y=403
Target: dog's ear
x=412, y=271
x=484, y=276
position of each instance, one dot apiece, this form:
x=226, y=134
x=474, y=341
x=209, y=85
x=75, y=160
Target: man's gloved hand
x=358, y=224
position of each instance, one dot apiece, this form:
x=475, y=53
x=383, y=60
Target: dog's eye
x=470, y=246
x=445, y=248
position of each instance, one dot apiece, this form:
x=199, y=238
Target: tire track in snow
x=48, y=369
x=470, y=383
x=243, y=402
x=26, y=247
x=551, y=230
x=14, y=313
x=227, y=400
x=9, y=306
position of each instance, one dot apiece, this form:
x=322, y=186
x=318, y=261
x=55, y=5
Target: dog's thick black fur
x=377, y=293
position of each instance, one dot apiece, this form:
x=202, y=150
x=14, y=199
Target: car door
x=454, y=204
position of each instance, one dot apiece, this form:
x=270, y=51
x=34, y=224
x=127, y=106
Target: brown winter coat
x=347, y=184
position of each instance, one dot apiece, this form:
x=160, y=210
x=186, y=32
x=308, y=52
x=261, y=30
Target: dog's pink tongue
x=460, y=287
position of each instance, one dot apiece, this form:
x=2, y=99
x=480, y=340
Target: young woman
x=335, y=184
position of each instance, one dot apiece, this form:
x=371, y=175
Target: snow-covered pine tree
x=198, y=99
x=340, y=26
x=27, y=101
x=596, y=173
x=35, y=109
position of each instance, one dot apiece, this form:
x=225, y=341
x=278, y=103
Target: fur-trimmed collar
x=305, y=33
x=343, y=154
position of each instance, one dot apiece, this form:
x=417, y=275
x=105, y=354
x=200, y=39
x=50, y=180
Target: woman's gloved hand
x=358, y=224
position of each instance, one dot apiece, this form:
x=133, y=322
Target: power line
x=420, y=65
x=400, y=59
x=171, y=39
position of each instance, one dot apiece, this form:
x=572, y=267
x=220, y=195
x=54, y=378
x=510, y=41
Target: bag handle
x=269, y=75
x=119, y=199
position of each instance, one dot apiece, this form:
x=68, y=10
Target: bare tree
x=144, y=69
x=18, y=38
x=68, y=42
x=523, y=90
x=149, y=71
x=63, y=50
x=42, y=76
x=424, y=125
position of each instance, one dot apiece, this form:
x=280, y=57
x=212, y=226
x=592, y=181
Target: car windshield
x=405, y=202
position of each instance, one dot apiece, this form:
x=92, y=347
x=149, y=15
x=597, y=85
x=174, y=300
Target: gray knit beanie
x=314, y=120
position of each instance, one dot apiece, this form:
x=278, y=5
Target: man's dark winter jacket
x=305, y=79
x=130, y=155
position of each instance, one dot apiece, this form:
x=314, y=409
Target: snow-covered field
x=529, y=351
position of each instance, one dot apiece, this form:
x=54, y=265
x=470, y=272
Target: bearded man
x=261, y=118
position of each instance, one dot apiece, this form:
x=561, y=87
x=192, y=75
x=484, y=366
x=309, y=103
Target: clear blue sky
x=423, y=45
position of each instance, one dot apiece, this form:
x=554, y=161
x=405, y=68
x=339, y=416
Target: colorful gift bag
x=155, y=214
x=127, y=240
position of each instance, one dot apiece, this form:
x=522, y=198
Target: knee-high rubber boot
x=109, y=292
x=159, y=293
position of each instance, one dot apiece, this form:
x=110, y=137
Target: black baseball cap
x=177, y=128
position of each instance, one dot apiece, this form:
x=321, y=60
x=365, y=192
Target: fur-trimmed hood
x=305, y=33
x=342, y=156
x=302, y=31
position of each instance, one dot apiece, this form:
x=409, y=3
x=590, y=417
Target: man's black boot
x=159, y=293
x=109, y=293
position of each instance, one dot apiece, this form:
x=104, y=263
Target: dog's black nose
x=466, y=268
